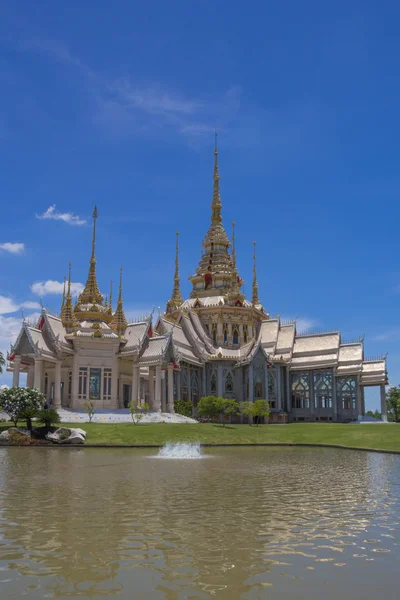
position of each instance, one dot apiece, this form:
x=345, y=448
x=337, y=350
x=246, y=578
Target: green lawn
x=382, y=437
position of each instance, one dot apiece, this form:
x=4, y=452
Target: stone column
x=178, y=386
x=251, y=383
x=334, y=399
x=241, y=338
x=17, y=367
x=289, y=393
x=75, y=381
x=157, y=394
x=278, y=391
x=266, y=383
x=239, y=384
x=38, y=379
x=164, y=391
x=250, y=332
x=358, y=399
x=151, y=388
x=30, y=376
x=312, y=396
x=116, y=398
x=204, y=381
x=220, y=334
x=362, y=389
x=57, y=385
x=135, y=383
x=171, y=389
x=383, y=403
x=219, y=381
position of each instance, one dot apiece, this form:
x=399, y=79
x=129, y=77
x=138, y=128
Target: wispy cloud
x=303, y=324
x=390, y=335
x=8, y=305
x=13, y=247
x=43, y=288
x=67, y=217
x=31, y=305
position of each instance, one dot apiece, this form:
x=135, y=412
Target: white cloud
x=303, y=324
x=31, y=305
x=13, y=247
x=7, y=305
x=42, y=288
x=70, y=218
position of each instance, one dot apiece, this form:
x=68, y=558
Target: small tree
x=208, y=407
x=393, y=403
x=89, y=407
x=2, y=362
x=227, y=408
x=183, y=407
x=22, y=403
x=246, y=408
x=48, y=416
x=261, y=410
x=136, y=413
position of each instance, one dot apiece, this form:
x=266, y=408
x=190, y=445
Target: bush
x=48, y=416
x=89, y=407
x=137, y=414
x=211, y=406
x=22, y=403
x=255, y=410
x=183, y=407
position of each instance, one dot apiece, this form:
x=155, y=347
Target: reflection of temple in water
x=99, y=523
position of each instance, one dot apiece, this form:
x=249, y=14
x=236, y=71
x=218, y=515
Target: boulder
x=65, y=435
x=7, y=435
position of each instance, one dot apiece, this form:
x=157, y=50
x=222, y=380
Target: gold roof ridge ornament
x=216, y=205
x=68, y=316
x=119, y=322
x=91, y=293
x=176, y=299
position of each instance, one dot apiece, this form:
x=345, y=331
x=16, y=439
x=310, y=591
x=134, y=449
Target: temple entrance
x=126, y=394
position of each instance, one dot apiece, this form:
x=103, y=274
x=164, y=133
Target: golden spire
x=233, y=245
x=68, y=317
x=255, y=300
x=91, y=293
x=110, y=303
x=176, y=298
x=119, y=322
x=216, y=205
x=63, y=298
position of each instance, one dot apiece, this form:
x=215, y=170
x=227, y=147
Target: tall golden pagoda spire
x=91, y=293
x=254, y=299
x=216, y=206
x=176, y=299
x=233, y=245
x=119, y=322
x=110, y=304
x=68, y=317
x=63, y=298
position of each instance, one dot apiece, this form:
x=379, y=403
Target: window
x=229, y=383
x=300, y=390
x=235, y=334
x=258, y=390
x=107, y=373
x=245, y=334
x=346, y=392
x=225, y=332
x=82, y=383
x=322, y=389
x=185, y=384
x=213, y=383
x=94, y=384
x=214, y=333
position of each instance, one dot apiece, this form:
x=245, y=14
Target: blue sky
x=116, y=104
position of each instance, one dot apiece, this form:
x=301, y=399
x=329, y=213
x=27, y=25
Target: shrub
x=183, y=407
x=89, y=407
x=208, y=407
x=137, y=413
x=48, y=416
x=255, y=410
x=22, y=403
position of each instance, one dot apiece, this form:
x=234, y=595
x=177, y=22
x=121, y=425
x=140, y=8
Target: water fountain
x=181, y=450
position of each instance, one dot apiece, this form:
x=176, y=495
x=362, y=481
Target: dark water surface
x=285, y=523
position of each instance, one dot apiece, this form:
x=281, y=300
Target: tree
x=208, y=407
x=136, y=413
x=22, y=403
x=2, y=362
x=246, y=408
x=89, y=407
x=260, y=410
x=393, y=403
x=227, y=407
x=183, y=407
x=48, y=416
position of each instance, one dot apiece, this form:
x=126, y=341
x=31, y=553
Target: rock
x=7, y=435
x=64, y=435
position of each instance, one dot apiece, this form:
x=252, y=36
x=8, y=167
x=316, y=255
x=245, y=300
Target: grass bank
x=379, y=437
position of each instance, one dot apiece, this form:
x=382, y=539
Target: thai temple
x=216, y=342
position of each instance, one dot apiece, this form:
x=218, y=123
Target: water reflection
x=251, y=523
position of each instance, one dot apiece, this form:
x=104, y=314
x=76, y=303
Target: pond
x=287, y=523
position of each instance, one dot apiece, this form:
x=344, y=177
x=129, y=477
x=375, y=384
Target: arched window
x=300, y=390
x=229, y=382
x=323, y=389
x=213, y=383
x=225, y=332
x=214, y=333
x=235, y=334
x=245, y=333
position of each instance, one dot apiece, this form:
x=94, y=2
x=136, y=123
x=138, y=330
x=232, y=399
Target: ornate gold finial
x=216, y=218
x=91, y=293
x=63, y=297
x=110, y=304
x=119, y=322
x=68, y=316
x=176, y=298
x=255, y=300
